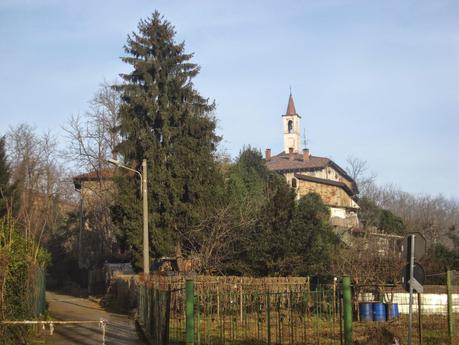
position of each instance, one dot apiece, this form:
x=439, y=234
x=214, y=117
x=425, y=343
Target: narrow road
x=120, y=329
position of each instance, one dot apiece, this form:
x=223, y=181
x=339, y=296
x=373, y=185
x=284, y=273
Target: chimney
x=291, y=156
x=305, y=154
x=268, y=154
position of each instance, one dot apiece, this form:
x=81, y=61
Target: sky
x=377, y=80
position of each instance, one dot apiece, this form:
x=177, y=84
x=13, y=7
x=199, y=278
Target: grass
x=434, y=331
x=317, y=331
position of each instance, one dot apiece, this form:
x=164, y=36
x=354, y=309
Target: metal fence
x=25, y=303
x=154, y=313
x=435, y=311
x=24, y=296
x=228, y=310
x=235, y=313
x=38, y=297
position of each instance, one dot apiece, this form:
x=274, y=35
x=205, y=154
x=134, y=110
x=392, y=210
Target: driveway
x=120, y=329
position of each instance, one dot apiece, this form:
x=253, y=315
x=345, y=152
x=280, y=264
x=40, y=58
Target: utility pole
x=410, y=317
x=413, y=276
x=450, y=307
x=146, y=249
x=144, y=190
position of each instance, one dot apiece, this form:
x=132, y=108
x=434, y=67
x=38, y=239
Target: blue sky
x=374, y=79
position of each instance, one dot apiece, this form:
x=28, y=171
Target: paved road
x=120, y=328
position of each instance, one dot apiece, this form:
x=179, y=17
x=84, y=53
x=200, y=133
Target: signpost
x=418, y=275
x=420, y=246
x=413, y=247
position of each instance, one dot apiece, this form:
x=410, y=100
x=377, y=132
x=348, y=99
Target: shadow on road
x=120, y=329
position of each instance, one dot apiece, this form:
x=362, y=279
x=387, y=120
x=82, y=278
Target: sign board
x=420, y=246
x=413, y=276
x=418, y=275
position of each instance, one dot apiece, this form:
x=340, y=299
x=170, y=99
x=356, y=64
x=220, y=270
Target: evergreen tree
x=383, y=219
x=311, y=238
x=267, y=244
x=246, y=182
x=441, y=256
x=286, y=236
x=265, y=198
x=165, y=120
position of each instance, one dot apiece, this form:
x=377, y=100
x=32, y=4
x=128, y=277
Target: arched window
x=290, y=126
x=293, y=182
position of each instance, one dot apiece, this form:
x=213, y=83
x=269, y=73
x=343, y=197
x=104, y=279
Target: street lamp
x=143, y=187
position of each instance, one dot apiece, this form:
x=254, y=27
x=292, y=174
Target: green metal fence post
x=198, y=326
x=189, y=288
x=43, y=292
x=450, y=307
x=268, y=317
x=347, y=310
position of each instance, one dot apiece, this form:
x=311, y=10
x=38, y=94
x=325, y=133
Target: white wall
x=431, y=303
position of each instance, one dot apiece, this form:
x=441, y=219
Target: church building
x=308, y=173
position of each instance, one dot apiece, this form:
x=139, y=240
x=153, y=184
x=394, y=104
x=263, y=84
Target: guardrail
x=102, y=324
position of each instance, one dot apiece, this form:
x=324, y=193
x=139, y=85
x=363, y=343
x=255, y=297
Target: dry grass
x=434, y=331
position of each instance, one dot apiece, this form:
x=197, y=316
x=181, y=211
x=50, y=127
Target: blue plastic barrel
x=394, y=311
x=379, y=312
x=366, y=311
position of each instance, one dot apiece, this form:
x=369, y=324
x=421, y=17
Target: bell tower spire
x=291, y=124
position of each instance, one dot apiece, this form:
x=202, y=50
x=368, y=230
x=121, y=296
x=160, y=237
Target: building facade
x=307, y=173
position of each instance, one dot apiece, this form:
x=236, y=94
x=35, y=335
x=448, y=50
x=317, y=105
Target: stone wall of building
x=95, y=192
x=331, y=195
x=327, y=174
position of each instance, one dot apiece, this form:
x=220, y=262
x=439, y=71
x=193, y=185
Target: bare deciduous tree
x=372, y=262
x=92, y=137
x=358, y=170
x=210, y=242
x=432, y=216
x=39, y=179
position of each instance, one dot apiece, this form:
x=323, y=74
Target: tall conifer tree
x=164, y=119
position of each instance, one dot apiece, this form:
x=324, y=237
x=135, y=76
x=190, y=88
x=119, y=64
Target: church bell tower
x=291, y=124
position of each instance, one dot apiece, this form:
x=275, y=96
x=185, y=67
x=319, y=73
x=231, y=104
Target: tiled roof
x=293, y=162
x=284, y=161
x=104, y=174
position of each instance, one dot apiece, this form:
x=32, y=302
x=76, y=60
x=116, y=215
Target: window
x=290, y=126
x=293, y=182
